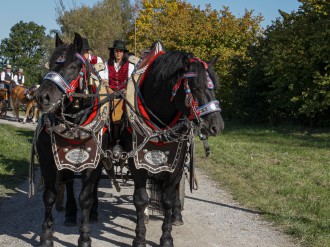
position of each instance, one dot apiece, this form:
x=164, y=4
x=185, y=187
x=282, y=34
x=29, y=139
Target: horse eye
x=73, y=67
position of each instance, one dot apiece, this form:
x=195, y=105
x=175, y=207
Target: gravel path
x=211, y=216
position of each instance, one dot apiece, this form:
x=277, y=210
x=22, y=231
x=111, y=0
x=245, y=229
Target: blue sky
x=43, y=12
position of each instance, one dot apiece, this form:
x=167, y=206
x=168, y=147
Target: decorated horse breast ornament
x=79, y=147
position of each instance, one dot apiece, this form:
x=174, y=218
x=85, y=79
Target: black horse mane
x=166, y=69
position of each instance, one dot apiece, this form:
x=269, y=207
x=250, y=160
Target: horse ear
x=78, y=42
x=213, y=61
x=58, y=40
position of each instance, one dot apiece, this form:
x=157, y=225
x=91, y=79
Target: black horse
x=72, y=134
x=173, y=99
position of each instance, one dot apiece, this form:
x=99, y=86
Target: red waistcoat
x=117, y=80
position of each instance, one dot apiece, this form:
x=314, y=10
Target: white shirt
x=105, y=74
x=3, y=74
x=16, y=79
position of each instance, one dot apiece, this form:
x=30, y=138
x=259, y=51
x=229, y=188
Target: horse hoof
x=46, y=243
x=84, y=243
x=70, y=221
x=177, y=221
x=166, y=243
x=139, y=244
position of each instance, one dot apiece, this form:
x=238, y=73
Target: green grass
x=283, y=173
x=15, y=146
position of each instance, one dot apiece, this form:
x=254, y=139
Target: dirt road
x=211, y=216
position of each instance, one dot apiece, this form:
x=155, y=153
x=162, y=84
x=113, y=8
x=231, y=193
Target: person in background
x=86, y=50
x=7, y=79
x=19, y=78
x=93, y=59
x=118, y=68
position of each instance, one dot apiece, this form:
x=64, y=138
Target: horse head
x=200, y=103
x=68, y=71
x=179, y=82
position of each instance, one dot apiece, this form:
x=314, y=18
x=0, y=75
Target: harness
x=77, y=146
x=156, y=149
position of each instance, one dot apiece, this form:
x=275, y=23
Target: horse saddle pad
x=77, y=156
x=156, y=157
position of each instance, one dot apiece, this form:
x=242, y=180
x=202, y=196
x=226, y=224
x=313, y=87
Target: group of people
x=8, y=80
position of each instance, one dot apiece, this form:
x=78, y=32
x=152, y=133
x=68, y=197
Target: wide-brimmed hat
x=20, y=70
x=119, y=44
x=85, y=44
x=8, y=66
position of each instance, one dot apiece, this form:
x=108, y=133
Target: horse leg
x=35, y=115
x=49, y=198
x=13, y=105
x=28, y=108
x=176, y=217
x=71, y=205
x=140, y=198
x=49, y=174
x=168, y=200
x=93, y=216
x=86, y=199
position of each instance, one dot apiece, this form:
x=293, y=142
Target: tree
x=101, y=24
x=25, y=49
x=295, y=61
x=206, y=33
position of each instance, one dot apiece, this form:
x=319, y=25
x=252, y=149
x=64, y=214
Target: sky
x=42, y=12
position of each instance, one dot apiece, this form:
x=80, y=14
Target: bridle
x=68, y=88
x=196, y=111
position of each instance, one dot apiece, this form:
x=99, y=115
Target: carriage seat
x=148, y=55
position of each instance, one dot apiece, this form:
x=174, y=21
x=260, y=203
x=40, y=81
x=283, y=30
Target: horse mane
x=167, y=69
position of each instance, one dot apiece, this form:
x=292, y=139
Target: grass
x=282, y=172
x=15, y=146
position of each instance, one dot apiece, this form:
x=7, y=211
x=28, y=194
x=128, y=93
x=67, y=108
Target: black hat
x=85, y=44
x=119, y=44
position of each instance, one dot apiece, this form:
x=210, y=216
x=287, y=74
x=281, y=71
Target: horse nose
x=214, y=129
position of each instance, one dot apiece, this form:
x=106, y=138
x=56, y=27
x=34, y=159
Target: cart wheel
x=60, y=197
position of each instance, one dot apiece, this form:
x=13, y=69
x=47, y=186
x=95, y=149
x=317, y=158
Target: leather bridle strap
x=64, y=85
x=212, y=106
